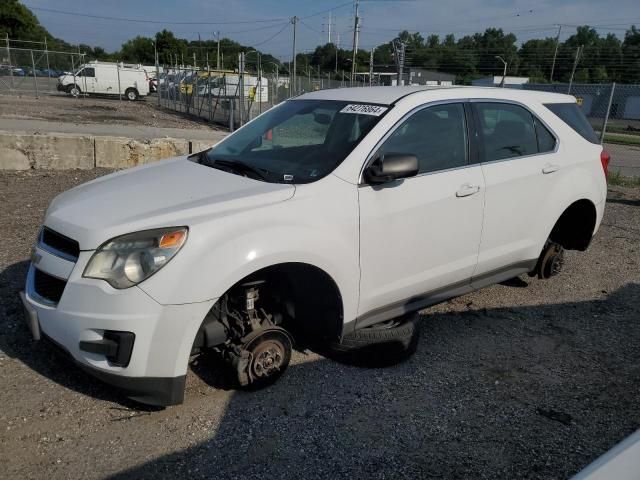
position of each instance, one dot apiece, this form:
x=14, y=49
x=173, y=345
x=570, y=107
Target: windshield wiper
x=241, y=167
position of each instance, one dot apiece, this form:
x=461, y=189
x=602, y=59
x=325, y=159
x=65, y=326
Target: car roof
x=390, y=95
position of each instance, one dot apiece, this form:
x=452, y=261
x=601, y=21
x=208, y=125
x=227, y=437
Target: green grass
x=616, y=178
x=622, y=139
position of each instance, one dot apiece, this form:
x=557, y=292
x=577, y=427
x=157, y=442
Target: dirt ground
x=531, y=379
x=63, y=108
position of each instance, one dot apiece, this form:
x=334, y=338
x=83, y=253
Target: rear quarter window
x=571, y=114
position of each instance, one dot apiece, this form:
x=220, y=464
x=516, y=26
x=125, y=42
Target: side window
x=571, y=114
x=546, y=141
x=90, y=72
x=436, y=135
x=507, y=131
x=80, y=73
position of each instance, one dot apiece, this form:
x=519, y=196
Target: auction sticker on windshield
x=374, y=110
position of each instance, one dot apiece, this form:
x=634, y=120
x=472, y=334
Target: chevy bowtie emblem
x=35, y=257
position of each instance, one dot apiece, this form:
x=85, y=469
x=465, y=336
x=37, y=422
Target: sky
x=265, y=24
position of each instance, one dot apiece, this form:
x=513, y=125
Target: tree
x=18, y=22
x=631, y=52
x=138, y=50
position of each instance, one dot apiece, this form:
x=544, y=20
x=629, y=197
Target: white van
x=228, y=87
x=106, y=78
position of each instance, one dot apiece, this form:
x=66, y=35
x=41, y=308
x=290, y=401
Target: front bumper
x=90, y=309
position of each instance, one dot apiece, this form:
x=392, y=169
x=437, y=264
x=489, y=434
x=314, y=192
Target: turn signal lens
x=172, y=239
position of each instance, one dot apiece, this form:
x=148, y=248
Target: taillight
x=605, y=158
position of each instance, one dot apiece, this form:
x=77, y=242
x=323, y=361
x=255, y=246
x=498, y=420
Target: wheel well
x=309, y=297
x=575, y=227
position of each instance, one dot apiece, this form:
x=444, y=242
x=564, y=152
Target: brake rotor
x=269, y=355
x=552, y=261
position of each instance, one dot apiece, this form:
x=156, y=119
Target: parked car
x=105, y=78
x=228, y=86
x=327, y=220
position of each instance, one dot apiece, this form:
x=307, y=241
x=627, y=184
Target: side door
x=520, y=163
x=86, y=80
x=419, y=236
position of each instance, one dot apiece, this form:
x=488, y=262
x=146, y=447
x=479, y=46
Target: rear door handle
x=467, y=189
x=549, y=168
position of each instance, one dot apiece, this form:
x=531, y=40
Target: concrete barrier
x=22, y=151
x=118, y=152
x=200, y=145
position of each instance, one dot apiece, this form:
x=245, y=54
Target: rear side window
x=507, y=131
x=546, y=141
x=571, y=114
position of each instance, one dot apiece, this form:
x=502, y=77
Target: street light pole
x=504, y=73
x=292, y=77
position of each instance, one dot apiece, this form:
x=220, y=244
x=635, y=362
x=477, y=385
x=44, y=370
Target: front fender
x=313, y=228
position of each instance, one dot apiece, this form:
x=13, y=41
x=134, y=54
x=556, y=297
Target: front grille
x=59, y=243
x=48, y=287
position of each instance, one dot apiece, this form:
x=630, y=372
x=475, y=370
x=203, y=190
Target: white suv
x=329, y=218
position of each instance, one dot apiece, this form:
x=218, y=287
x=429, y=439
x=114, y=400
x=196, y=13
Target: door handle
x=467, y=189
x=549, y=168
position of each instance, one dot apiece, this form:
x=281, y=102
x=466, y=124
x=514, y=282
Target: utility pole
x=292, y=77
x=398, y=50
x=356, y=27
x=337, y=45
x=9, y=60
x=329, y=24
x=575, y=64
x=371, y=65
x=555, y=53
x=218, y=56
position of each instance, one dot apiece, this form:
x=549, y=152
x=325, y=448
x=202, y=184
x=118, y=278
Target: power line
x=309, y=26
x=166, y=22
x=272, y=36
x=327, y=10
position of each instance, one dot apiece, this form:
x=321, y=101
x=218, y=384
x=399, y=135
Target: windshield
x=299, y=141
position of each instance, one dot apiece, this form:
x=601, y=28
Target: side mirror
x=391, y=166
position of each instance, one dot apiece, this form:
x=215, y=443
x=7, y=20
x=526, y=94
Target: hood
x=168, y=193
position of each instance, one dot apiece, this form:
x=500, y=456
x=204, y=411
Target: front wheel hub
x=269, y=353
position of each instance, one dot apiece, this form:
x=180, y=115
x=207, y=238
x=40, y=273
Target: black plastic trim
x=157, y=391
x=101, y=347
x=443, y=294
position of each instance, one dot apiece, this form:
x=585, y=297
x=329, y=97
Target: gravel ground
x=534, y=379
x=62, y=108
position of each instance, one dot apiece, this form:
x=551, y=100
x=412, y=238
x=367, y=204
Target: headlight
x=129, y=259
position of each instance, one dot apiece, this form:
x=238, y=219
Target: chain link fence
x=232, y=98
x=35, y=71
x=614, y=113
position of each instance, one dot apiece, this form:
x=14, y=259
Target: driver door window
x=436, y=135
